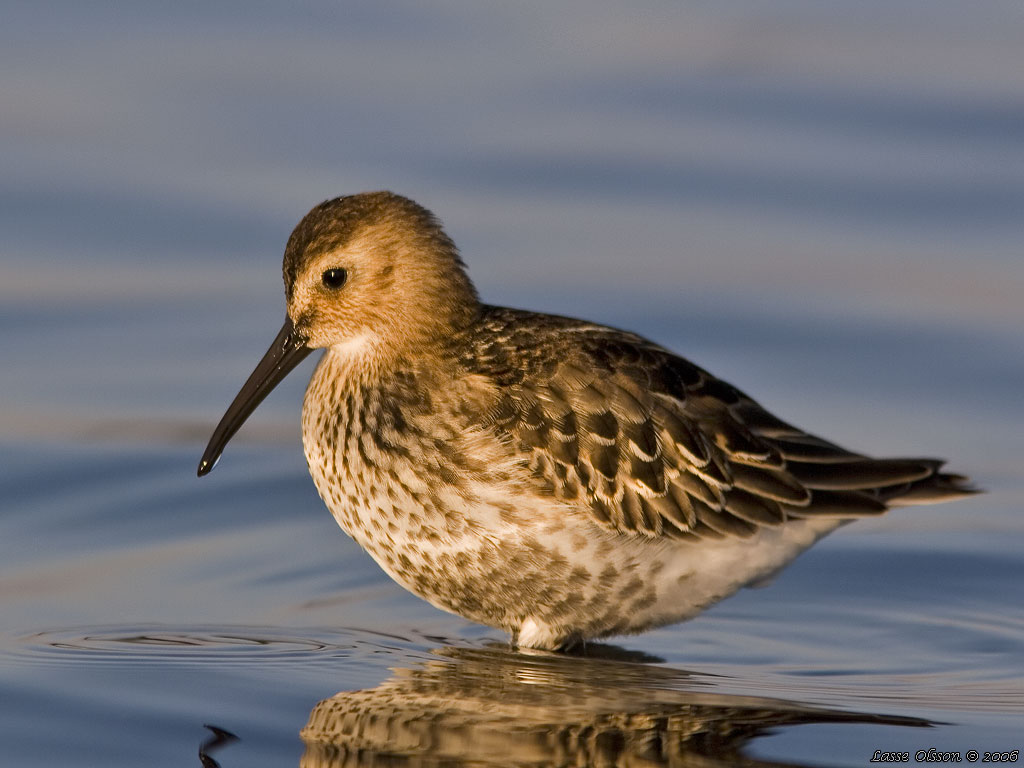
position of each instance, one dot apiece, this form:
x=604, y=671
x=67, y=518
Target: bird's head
x=373, y=276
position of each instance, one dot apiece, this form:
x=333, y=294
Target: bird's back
x=652, y=444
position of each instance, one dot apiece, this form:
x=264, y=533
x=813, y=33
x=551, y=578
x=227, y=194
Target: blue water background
x=822, y=203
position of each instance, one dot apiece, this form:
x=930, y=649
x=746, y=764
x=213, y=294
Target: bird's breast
x=395, y=458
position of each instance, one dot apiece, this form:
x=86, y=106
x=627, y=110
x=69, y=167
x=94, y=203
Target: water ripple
x=200, y=645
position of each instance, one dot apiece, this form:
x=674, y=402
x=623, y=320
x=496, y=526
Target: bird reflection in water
x=492, y=707
x=219, y=739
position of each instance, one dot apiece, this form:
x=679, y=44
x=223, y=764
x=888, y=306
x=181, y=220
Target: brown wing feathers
x=657, y=446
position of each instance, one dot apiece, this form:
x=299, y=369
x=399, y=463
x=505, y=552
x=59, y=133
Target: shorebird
x=555, y=478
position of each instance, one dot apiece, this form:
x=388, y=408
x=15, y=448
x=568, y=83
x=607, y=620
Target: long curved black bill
x=288, y=350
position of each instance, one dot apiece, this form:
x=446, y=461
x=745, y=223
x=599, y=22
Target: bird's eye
x=334, y=278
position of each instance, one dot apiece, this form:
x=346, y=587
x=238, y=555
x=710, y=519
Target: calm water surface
x=823, y=205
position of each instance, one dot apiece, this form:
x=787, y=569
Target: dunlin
x=555, y=478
